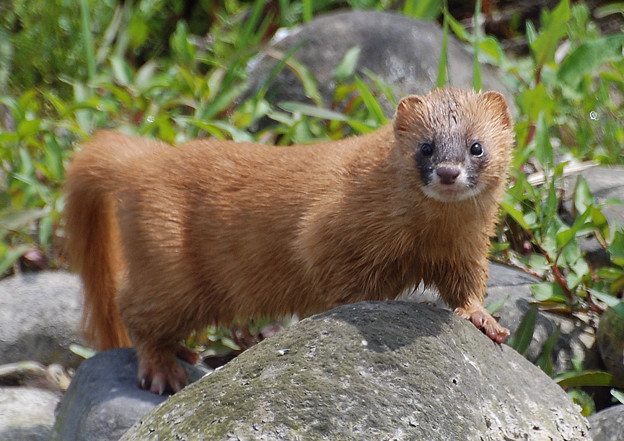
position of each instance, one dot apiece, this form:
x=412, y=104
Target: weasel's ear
x=496, y=102
x=407, y=108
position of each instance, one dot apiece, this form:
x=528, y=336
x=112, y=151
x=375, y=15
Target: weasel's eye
x=476, y=149
x=426, y=149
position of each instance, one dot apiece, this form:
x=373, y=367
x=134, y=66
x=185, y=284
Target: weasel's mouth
x=449, y=193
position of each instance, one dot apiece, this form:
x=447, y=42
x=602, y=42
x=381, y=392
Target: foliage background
x=175, y=70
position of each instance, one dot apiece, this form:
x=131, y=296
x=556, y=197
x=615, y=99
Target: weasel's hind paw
x=159, y=379
x=160, y=372
x=482, y=319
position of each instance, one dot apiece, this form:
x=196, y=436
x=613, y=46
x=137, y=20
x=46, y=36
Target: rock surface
x=26, y=414
x=608, y=425
x=373, y=370
x=104, y=400
x=402, y=51
x=40, y=317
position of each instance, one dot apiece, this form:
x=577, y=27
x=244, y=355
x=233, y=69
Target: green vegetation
x=165, y=70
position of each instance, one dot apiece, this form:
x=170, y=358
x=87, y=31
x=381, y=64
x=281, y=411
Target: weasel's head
x=454, y=144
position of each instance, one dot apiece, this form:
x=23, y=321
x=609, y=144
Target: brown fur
x=213, y=231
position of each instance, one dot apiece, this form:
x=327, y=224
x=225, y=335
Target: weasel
x=168, y=240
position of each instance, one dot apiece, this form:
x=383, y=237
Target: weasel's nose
x=448, y=174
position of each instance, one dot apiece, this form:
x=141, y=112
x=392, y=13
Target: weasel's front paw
x=482, y=319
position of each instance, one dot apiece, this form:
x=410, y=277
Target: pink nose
x=448, y=174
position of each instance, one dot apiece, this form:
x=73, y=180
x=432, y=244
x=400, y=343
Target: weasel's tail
x=93, y=241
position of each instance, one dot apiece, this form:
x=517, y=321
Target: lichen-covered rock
x=374, y=370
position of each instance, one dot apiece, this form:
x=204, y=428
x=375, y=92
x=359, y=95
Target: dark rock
x=26, y=414
x=40, y=317
x=104, y=400
x=402, y=51
x=373, y=370
x=608, y=425
x=610, y=339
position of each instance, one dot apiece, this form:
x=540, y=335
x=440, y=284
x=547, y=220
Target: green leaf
x=477, y=81
x=616, y=248
x=307, y=79
x=82, y=351
x=548, y=292
x=521, y=339
x=515, y=214
x=588, y=378
x=531, y=33
x=551, y=205
x=552, y=30
x=583, y=196
x=46, y=228
x=609, y=300
x=370, y=101
x=618, y=395
x=182, y=48
x=216, y=128
x=457, y=28
x=53, y=157
x=388, y=90
x=589, y=57
x=494, y=307
x=535, y=101
x=347, y=66
x=583, y=400
x=543, y=147
x=565, y=236
x=544, y=362
x=443, y=77
x=14, y=221
x=12, y=255
x=313, y=111
x=423, y=9
x=28, y=128
x=121, y=71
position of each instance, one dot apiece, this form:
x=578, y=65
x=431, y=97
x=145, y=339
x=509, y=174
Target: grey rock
x=605, y=183
x=608, y=424
x=104, y=400
x=402, y=51
x=577, y=339
x=373, y=370
x=26, y=414
x=502, y=276
x=40, y=316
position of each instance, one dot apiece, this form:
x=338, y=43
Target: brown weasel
x=168, y=240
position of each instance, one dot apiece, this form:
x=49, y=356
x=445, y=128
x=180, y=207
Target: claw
x=163, y=376
x=482, y=319
x=159, y=383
